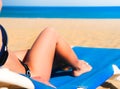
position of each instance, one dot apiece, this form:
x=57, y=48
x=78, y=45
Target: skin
x=41, y=56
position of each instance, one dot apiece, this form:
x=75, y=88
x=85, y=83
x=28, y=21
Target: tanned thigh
x=41, y=55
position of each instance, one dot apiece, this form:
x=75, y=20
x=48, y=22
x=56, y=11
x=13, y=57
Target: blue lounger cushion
x=101, y=59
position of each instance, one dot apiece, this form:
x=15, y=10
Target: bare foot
x=83, y=67
x=43, y=81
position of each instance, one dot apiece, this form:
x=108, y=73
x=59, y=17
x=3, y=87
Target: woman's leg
x=41, y=56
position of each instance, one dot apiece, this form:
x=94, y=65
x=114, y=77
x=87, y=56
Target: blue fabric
x=101, y=59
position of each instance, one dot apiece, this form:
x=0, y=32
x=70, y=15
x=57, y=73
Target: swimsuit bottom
x=27, y=70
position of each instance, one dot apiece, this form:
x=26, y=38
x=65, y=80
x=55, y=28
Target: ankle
x=77, y=65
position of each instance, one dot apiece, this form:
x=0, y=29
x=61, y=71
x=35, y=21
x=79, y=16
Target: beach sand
x=83, y=32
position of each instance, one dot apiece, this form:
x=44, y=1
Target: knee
x=50, y=31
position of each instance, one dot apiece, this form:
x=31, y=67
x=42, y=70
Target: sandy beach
x=82, y=32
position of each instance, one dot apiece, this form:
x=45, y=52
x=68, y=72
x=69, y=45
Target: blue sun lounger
x=102, y=61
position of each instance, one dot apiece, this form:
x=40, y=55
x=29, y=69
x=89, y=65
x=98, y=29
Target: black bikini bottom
x=27, y=70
